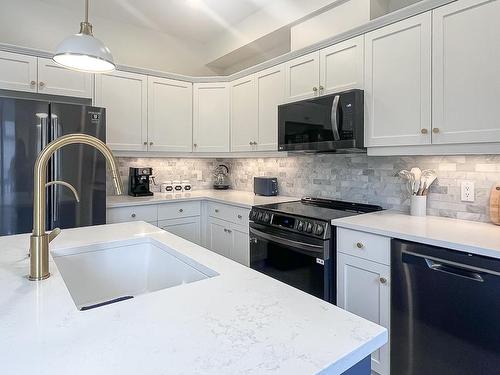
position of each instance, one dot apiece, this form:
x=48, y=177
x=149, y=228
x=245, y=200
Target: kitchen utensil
x=431, y=177
x=495, y=204
x=408, y=177
x=417, y=173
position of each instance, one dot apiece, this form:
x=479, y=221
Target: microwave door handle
x=287, y=242
x=334, y=118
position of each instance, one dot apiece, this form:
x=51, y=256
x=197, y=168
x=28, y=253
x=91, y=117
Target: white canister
x=186, y=185
x=166, y=187
x=418, y=205
x=177, y=186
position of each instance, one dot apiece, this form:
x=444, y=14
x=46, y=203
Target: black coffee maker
x=138, y=182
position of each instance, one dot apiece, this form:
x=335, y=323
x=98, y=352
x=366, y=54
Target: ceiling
x=194, y=20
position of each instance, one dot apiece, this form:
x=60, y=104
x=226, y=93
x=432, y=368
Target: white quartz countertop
x=235, y=197
x=469, y=236
x=239, y=322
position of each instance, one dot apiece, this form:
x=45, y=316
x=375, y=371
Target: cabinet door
x=341, y=66
x=18, y=72
x=56, y=80
x=210, y=117
x=240, y=245
x=170, y=115
x=271, y=93
x=398, y=83
x=244, y=114
x=466, y=83
x=218, y=237
x=302, y=77
x=124, y=95
x=363, y=289
x=188, y=228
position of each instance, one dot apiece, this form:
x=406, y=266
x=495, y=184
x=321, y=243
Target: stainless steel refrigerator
x=26, y=127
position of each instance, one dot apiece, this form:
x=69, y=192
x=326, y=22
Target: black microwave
x=330, y=123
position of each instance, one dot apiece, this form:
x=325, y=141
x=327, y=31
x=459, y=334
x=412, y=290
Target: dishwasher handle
x=449, y=267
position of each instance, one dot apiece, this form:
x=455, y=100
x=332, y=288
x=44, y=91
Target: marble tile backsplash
x=352, y=177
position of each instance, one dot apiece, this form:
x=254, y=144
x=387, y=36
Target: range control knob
x=252, y=215
x=300, y=226
x=259, y=216
x=319, y=230
x=267, y=217
x=309, y=228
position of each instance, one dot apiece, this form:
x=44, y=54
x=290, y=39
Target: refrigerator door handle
x=54, y=171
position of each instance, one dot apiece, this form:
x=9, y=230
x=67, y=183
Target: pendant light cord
x=87, y=11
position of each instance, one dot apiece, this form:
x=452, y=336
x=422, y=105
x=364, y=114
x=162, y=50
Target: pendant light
x=83, y=52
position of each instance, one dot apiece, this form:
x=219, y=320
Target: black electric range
x=294, y=242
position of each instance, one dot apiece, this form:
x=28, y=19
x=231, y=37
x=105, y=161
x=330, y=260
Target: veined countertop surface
x=234, y=197
x=239, y=322
x=469, y=236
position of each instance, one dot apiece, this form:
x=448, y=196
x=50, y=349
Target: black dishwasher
x=445, y=311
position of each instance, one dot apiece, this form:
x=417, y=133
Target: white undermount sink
x=102, y=273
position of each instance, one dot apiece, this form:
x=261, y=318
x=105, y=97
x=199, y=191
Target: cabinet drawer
x=236, y=215
x=134, y=213
x=364, y=245
x=178, y=210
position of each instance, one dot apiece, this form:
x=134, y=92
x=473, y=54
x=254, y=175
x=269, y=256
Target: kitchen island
x=238, y=322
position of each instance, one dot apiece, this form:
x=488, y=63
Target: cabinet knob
x=240, y=217
x=195, y=145
x=251, y=143
x=383, y=280
x=229, y=231
x=360, y=245
x=315, y=89
x=33, y=83
x=181, y=210
x=321, y=88
x=133, y=215
x=145, y=143
x=435, y=130
x=41, y=84
x=255, y=143
x=216, y=210
x=151, y=143
x=424, y=131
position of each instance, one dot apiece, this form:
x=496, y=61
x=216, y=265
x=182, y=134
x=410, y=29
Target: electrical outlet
x=199, y=175
x=467, y=191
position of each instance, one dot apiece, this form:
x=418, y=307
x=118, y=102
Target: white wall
x=34, y=24
x=278, y=14
x=332, y=22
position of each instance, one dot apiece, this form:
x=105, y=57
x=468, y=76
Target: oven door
x=300, y=261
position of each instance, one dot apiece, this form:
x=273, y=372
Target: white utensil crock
x=418, y=205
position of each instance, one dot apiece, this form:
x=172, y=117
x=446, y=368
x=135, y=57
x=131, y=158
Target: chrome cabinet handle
x=133, y=215
x=360, y=245
x=383, y=280
x=334, y=120
x=424, y=131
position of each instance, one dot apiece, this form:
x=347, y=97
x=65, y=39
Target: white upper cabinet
x=302, y=77
x=18, y=72
x=398, y=83
x=244, y=114
x=170, y=115
x=341, y=66
x=271, y=93
x=124, y=95
x=56, y=80
x=466, y=79
x=210, y=117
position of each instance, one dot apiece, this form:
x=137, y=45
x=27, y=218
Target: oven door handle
x=287, y=242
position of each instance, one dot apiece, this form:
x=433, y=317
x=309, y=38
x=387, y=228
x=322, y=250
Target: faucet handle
x=54, y=233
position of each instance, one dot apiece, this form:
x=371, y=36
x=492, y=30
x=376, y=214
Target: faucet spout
x=39, y=240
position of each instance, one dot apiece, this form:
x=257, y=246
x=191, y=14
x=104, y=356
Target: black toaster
x=266, y=186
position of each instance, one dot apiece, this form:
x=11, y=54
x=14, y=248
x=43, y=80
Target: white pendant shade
x=84, y=53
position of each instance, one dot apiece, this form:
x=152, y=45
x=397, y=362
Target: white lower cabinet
x=363, y=285
x=229, y=240
x=188, y=228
